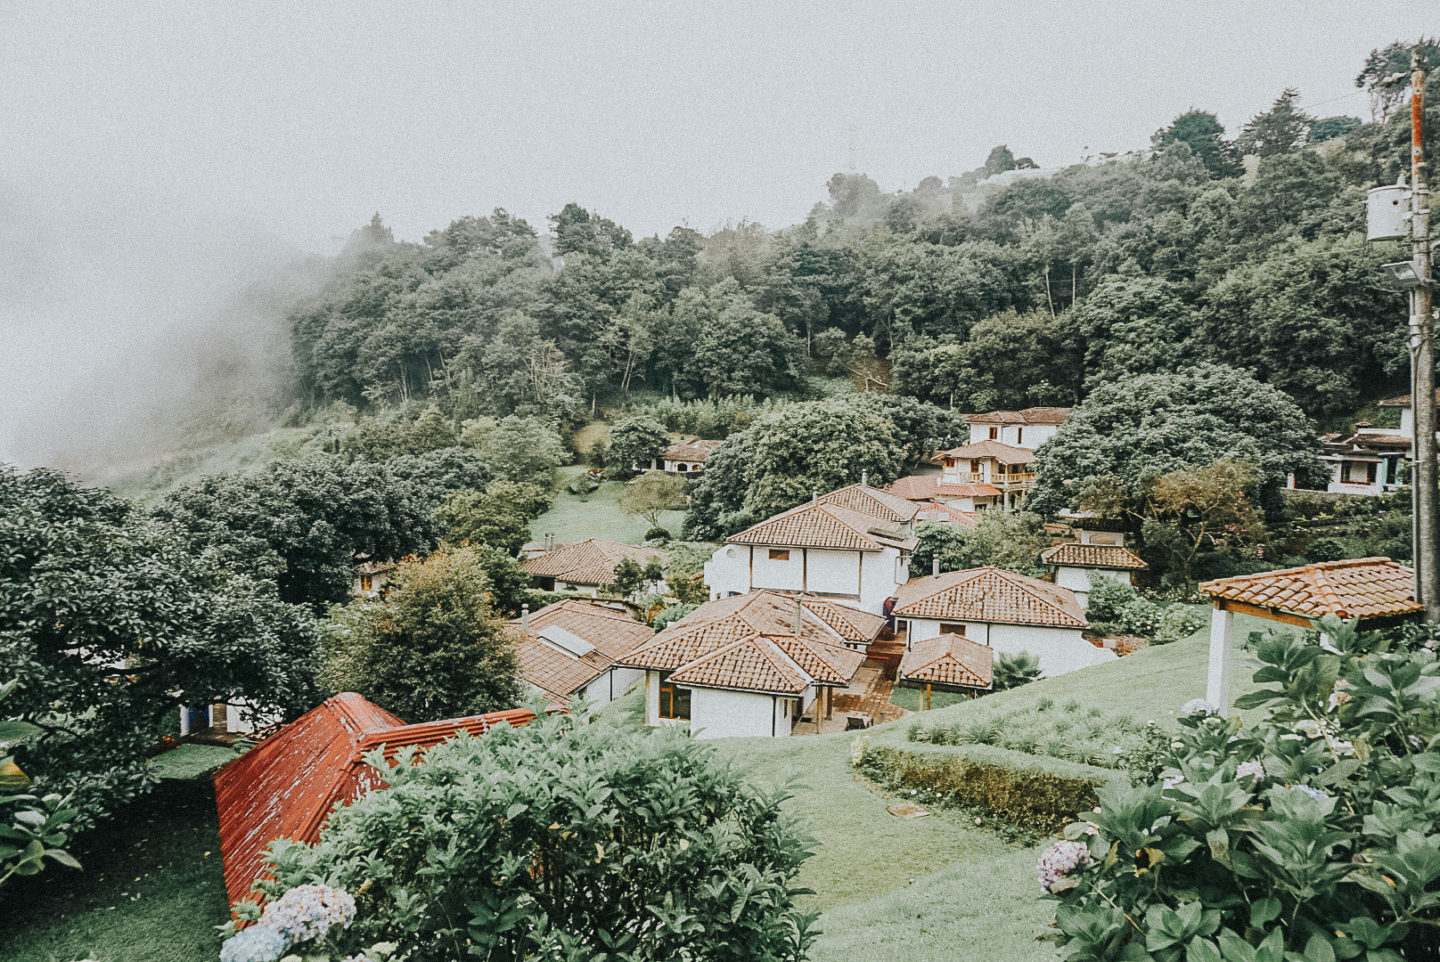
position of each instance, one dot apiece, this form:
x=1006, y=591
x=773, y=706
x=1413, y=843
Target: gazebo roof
x=948, y=660
x=1353, y=588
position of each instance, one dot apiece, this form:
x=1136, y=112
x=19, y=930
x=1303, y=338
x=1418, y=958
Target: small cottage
x=853, y=544
x=1002, y=610
x=947, y=662
x=752, y=665
x=685, y=457
x=588, y=566
x=1080, y=567
x=569, y=650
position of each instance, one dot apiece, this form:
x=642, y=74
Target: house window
x=974, y=467
x=994, y=433
x=365, y=582
x=682, y=468
x=674, y=702
x=1019, y=435
x=952, y=628
x=779, y=554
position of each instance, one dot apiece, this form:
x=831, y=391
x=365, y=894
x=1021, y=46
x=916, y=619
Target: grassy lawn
x=150, y=889
x=596, y=516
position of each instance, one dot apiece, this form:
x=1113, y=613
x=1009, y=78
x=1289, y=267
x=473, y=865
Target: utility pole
x=1422, y=330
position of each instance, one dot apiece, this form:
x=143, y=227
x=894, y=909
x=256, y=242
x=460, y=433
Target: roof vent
x=566, y=641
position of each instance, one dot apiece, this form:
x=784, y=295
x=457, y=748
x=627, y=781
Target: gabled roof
x=816, y=524
x=1403, y=401
x=872, y=501
x=1075, y=555
x=694, y=450
x=561, y=673
x=589, y=562
x=948, y=659
x=1353, y=588
x=814, y=648
x=752, y=663
x=850, y=623
x=989, y=595
x=1040, y=415
x=1004, y=453
x=947, y=514
x=287, y=785
x=930, y=487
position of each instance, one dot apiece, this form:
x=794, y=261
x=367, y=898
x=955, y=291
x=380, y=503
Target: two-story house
x=1006, y=468
x=853, y=544
x=1029, y=428
x=1370, y=460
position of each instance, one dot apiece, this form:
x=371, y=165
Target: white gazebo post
x=1217, y=679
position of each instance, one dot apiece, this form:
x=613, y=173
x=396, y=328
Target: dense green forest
x=975, y=292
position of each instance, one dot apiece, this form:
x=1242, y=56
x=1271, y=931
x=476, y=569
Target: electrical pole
x=1422, y=329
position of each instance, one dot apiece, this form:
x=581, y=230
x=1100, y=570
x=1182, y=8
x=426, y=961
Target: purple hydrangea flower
x=307, y=912
x=1059, y=860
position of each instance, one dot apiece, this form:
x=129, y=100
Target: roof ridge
x=1322, y=584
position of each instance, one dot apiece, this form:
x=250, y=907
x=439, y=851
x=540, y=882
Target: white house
x=239, y=717
x=685, y=457
x=1370, y=460
x=1029, y=428
x=853, y=544
x=748, y=665
x=569, y=650
x=1080, y=567
x=587, y=566
x=1007, y=468
x=1004, y=611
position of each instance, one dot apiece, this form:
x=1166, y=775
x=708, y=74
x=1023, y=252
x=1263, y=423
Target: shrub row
x=1040, y=794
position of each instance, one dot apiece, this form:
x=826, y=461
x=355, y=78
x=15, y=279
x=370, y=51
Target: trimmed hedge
x=1037, y=793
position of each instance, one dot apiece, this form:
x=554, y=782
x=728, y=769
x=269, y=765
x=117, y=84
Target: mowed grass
x=150, y=889
x=598, y=515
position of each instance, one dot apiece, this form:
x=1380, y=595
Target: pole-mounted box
x=1387, y=213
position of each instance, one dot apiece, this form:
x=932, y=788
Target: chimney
x=524, y=619
x=935, y=567
x=814, y=495
x=799, y=614
x=864, y=477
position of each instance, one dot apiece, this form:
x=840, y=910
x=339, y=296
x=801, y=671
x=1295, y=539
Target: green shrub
x=1178, y=622
x=564, y=841
x=657, y=533
x=1022, y=789
x=1313, y=834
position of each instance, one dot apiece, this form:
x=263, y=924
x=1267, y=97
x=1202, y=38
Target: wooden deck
x=868, y=694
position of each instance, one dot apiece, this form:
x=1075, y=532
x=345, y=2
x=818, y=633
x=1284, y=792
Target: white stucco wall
x=866, y=583
x=738, y=714
x=241, y=717
x=1021, y=435
x=1060, y=650
x=652, y=703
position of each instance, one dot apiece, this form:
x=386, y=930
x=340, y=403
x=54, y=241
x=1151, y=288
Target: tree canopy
x=1127, y=433
x=110, y=620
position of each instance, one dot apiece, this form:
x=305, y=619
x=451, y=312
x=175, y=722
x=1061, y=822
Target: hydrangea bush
x=1312, y=835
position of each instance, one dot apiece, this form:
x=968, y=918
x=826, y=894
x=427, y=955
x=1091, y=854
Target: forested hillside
x=1006, y=286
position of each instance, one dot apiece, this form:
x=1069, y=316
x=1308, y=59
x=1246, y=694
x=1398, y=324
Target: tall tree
x=433, y=648
x=1202, y=132
x=1279, y=130
x=109, y=621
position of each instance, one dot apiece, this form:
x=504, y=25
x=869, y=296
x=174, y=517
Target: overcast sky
x=151, y=154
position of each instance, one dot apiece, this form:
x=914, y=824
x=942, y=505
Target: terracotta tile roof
x=589, y=562
x=929, y=487
x=1076, y=555
x=1039, y=415
x=938, y=511
x=1004, y=453
x=850, y=623
x=560, y=673
x=816, y=524
x=753, y=663
x=817, y=651
x=1353, y=588
x=948, y=659
x=1403, y=401
x=989, y=594
x=287, y=785
x=693, y=450
x=872, y=501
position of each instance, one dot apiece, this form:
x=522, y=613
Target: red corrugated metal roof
x=287, y=785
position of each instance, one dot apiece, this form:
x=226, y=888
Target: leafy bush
x=1028, y=791
x=1314, y=834
x=1014, y=670
x=657, y=533
x=567, y=841
x=1114, y=607
x=1178, y=622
